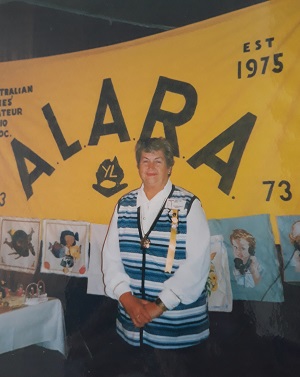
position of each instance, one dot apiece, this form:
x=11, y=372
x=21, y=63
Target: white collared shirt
x=189, y=280
x=150, y=208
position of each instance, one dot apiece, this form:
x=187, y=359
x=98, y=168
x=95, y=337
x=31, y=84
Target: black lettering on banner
x=284, y=184
x=287, y=189
x=66, y=150
x=271, y=183
x=4, y=133
x=278, y=65
x=239, y=134
x=258, y=44
x=109, y=99
x=21, y=153
x=254, y=67
x=2, y=199
x=168, y=119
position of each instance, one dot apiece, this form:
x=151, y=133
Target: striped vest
x=184, y=326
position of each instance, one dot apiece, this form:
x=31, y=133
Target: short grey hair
x=155, y=144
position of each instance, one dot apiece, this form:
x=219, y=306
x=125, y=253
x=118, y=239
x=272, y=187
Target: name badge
x=175, y=204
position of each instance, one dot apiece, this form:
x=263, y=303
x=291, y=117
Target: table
x=42, y=324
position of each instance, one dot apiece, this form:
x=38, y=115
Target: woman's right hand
x=136, y=309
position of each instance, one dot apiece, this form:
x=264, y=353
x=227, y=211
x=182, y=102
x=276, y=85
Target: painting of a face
x=241, y=249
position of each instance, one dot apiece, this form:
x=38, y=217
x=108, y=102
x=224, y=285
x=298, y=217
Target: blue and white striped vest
x=184, y=326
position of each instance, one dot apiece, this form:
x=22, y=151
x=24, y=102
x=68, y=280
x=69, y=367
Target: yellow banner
x=225, y=92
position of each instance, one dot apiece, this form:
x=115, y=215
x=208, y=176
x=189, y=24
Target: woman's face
x=153, y=170
x=241, y=249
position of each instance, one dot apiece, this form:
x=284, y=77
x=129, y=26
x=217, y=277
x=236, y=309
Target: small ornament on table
x=31, y=294
x=42, y=291
x=20, y=290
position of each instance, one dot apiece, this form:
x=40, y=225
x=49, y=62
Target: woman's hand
x=136, y=308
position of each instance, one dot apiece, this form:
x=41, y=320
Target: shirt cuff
x=169, y=299
x=121, y=288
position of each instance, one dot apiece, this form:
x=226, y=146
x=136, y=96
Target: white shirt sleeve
x=188, y=282
x=116, y=281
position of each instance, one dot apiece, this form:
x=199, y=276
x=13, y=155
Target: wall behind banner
x=43, y=28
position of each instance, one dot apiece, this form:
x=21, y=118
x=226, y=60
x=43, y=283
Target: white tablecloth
x=42, y=324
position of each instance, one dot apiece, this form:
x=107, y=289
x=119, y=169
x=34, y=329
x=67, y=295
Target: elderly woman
x=156, y=257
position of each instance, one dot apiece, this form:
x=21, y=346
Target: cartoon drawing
x=247, y=271
x=66, y=249
x=57, y=249
x=20, y=242
x=295, y=240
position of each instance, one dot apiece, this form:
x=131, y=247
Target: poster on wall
x=19, y=244
x=252, y=256
x=223, y=91
x=218, y=283
x=289, y=231
x=65, y=247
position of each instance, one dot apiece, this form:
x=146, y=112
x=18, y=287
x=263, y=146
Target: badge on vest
x=145, y=243
x=175, y=204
